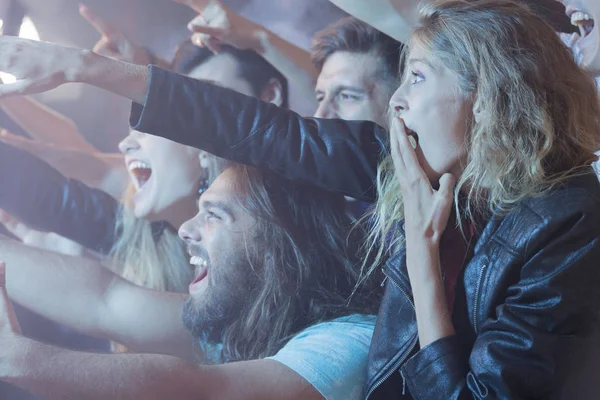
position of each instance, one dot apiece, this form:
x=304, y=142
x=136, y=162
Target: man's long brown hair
x=300, y=254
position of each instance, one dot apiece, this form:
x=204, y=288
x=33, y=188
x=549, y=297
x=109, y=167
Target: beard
x=222, y=303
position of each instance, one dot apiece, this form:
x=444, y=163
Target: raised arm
x=341, y=156
x=86, y=296
x=44, y=199
x=217, y=24
x=395, y=18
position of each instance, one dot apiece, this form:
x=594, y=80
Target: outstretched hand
x=38, y=66
x=217, y=24
x=113, y=42
x=426, y=210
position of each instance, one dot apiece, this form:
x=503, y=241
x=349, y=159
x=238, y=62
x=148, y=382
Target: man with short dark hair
x=358, y=67
x=244, y=71
x=353, y=65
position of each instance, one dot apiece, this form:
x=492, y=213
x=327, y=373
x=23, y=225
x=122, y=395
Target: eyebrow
x=345, y=87
x=422, y=61
x=218, y=205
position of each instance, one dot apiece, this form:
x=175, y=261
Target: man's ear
x=273, y=92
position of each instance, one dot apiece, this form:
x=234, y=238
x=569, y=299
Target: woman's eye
x=211, y=215
x=416, y=77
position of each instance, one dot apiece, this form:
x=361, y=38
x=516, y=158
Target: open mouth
x=584, y=22
x=140, y=172
x=201, y=265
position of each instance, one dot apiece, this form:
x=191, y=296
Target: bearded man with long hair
x=273, y=311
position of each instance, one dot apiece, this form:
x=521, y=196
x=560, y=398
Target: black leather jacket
x=42, y=198
x=525, y=298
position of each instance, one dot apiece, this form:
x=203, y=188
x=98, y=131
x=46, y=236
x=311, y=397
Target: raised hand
x=38, y=66
x=426, y=210
x=114, y=43
x=216, y=24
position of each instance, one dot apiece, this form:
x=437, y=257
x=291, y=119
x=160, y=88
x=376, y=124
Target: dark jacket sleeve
x=42, y=198
x=520, y=353
x=337, y=155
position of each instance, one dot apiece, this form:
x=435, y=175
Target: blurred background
x=156, y=24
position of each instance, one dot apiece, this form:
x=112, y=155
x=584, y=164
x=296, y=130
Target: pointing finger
x=99, y=23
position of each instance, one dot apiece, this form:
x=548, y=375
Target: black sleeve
x=337, y=155
x=42, y=198
x=517, y=353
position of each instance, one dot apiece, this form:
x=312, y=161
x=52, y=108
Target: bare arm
x=217, y=24
x=396, y=18
x=84, y=295
x=45, y=124
x=62, y=374
x=40, y=67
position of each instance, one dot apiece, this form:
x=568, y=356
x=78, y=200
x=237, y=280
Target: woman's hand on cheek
x=426, y=210
x=426, y=213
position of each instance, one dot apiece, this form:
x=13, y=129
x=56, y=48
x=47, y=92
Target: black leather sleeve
x=519, y=352
x=42, y=198
x=340, y=156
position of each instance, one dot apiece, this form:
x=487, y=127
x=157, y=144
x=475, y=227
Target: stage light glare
x=28, y=30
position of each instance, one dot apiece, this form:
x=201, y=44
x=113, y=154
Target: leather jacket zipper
x=477, y=293
x=413, y=342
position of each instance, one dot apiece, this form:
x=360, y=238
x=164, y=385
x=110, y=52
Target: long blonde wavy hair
x=537, y=118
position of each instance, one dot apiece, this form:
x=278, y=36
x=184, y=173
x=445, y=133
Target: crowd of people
x=431, y=232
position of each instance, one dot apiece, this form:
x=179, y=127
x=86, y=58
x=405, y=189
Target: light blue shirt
x=332, y=356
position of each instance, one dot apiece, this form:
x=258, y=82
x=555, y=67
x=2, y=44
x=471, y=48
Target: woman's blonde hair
x=537, y=113
x=147, y=254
